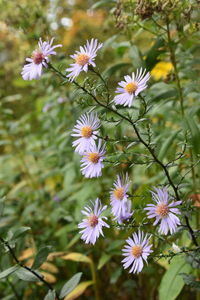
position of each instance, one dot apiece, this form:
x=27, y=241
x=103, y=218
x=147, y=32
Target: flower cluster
x=92, y=151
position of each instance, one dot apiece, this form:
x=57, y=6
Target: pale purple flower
x=47, y=107
x=83, y=58
x=127, y=215
x=92, y=161
x=92, y=225
x=40, y=59
x=131, y=87
x=56, y=198
x=119, y=197
x=85, y=130
x=137, y=250
x=62, y=100
x=164, y=211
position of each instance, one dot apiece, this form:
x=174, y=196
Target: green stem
x=94, y=279
x=174, y=63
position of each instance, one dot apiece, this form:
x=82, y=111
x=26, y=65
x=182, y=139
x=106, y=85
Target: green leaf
x=166, y=145
x=136, y=57
x=103, y=260
x=51, y=295
x=8, y=271
x=113, y=69
x=102, y=3
x=172, y=282
x=1, y=206
x=70, y=285
x=41, y=256
x=195, y=132
x=26, y=275
x=19, y=231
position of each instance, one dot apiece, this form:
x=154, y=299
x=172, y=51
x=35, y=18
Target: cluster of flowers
x=86, y=131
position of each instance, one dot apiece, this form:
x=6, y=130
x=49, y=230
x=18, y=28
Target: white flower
x=83, y=58
x=131, y=87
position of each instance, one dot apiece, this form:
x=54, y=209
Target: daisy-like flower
x=83, y=58
x=136, y=250
x=39, y=59
x=164, y=211
x=92, y=161
x=92, y=225
x=86, y=130
x=128, y=213
x=119, y=197
x=131, y=87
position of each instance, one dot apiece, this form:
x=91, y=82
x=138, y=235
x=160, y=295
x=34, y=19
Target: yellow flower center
x=37, y=57
x=136, y=251
x=93, y=157
x=162, y=210
x=93, y=220
x=86, y=131
x=119, y=193
x=82, y=59
x=131, y=87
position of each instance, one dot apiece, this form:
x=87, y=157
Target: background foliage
x=42, y=188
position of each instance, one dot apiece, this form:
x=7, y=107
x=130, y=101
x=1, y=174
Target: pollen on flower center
x=93, y=157
x=119, y=193
x=93, y=220
x=136, y=251
x=131, y=87
x=38, y=57
x=82, y=59
x=86, y=131
x=162, y=210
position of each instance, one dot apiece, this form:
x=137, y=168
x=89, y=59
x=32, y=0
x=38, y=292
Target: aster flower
x=86, y=129
x=126, y=216
x=119, y=197
x=92, y=225
x=92, y=161
x=83, y=58
x=164, y=211
x=131, y=87
x=40, y=59
x=137, y=250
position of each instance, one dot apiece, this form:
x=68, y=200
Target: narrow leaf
x=79, y=290
x=8, y=271
x=41, y=256
x=70, y=285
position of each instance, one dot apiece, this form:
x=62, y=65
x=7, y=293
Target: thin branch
x=147, y=146
x=12, y=253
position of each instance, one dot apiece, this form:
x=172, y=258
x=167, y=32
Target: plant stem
x=94, y=279
x=147, y=146
x=12, y=253
x=174, y=63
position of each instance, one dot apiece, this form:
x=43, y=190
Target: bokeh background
x=40, y=173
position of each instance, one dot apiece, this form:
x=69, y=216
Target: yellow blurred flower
x=161, y=70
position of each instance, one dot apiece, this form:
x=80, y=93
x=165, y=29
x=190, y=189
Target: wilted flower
x=83, y=58
x=176, y=248
x=92, y=225
x=119, y=197
x=92, y=161
x=86, y=129
x=40, y=59
x=137, y=250
x=131, y=87
x=164, y=211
